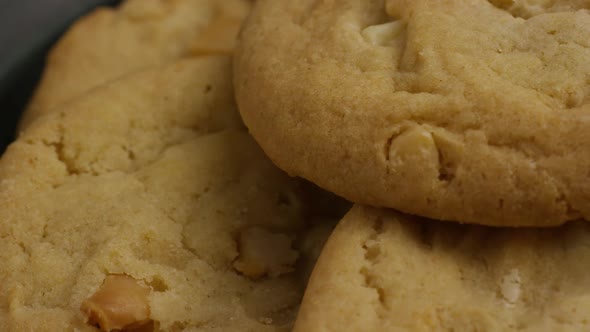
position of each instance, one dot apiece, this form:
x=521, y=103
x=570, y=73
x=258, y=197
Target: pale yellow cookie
x=110, y=42
x=146, y=204
x=466, y=110
x=384, y=271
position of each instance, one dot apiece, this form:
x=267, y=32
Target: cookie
x=110, y=42
x=146, y=205
x=384, y=271
x=472, y=111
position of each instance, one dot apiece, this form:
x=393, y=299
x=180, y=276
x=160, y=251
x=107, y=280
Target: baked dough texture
x=384, y=271
x=466, y=110
x=110, y=42
x=152, y=177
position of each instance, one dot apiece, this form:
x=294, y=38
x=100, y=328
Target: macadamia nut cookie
x=110, y=42
x=144, y=205
x=384, y=271
x=467, y=110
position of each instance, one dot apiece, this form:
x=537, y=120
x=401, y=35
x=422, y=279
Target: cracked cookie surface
x=110, y=42
x=384, y=271
x=472, y=111
x=151, y=179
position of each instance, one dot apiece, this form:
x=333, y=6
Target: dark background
x=28, y=28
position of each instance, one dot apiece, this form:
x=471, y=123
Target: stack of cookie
x=464, y=112
x=135, y=199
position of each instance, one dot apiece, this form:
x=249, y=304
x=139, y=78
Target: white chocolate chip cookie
x=110, y=42
x=146, y=205
x=466, y=110
x=384, y=271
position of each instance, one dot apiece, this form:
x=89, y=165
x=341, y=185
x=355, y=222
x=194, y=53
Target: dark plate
x=27, y=29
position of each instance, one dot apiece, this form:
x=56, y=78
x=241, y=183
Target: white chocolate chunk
x=383, y=34
x=415, y=142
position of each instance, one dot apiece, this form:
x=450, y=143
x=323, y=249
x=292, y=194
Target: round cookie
x=471, y=111
x=145, y=204
x=384, y=271
x=110, y=42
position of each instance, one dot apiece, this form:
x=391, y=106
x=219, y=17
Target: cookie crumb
x=264, y=253
x=510, y=287
x=266, y=320
x=121, y=303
